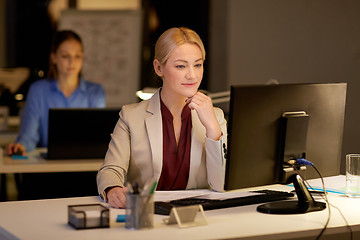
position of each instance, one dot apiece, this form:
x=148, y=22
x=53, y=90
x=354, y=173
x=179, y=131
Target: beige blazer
x=135, y=152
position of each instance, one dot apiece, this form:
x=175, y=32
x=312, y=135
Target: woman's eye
x=198, y=65
x=180, y=66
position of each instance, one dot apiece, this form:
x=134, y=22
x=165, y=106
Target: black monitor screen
x=254, y=121
x=76, y=133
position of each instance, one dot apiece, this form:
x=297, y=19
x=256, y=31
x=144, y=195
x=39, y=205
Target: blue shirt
x=45, y=94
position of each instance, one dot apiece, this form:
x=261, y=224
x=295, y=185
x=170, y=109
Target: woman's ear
x=157, y=68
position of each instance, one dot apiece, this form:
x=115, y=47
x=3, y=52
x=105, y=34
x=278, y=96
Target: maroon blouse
x=176, y=159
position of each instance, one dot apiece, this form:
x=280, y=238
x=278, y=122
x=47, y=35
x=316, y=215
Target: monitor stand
x=304, y=204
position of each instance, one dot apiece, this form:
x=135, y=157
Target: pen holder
x=139, y=211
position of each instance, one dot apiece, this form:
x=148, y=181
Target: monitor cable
x=302, y=161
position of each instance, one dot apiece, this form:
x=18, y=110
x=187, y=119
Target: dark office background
x=29, y=32
x=248, y=42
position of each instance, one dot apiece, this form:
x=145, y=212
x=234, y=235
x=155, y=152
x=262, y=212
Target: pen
x=152, y=189
x=136, y=188
x=150, y=186
x=130, y=188
x=338, y=191
x=329, y=190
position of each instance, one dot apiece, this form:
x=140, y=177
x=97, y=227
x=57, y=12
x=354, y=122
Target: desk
x=37, y=164
x=47, y=219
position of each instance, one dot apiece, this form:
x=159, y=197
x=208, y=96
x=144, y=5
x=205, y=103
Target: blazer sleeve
x=216, y=155
x=116, y=162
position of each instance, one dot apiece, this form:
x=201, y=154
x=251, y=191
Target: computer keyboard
x=164, y=208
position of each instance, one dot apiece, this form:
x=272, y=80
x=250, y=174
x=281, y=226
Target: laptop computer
x=80, y=133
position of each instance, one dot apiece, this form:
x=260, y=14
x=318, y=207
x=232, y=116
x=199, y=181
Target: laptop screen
x=80, y=133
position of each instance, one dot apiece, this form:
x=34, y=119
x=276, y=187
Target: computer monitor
x=255, y=130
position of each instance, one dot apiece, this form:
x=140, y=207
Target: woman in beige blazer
x=135, y=151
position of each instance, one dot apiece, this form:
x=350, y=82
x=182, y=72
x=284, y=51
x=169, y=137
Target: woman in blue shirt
x=62, y=89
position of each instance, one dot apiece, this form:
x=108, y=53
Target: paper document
x=227, y=195
x=334, y=184
x=166, y=196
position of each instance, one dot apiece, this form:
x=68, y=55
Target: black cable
x=347, y=224
x=326, y=200
x=308, y=163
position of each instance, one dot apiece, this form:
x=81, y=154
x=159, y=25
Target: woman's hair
x=174, y=37
x=58, y=39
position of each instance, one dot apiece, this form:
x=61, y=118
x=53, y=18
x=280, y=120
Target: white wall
x=291, y=41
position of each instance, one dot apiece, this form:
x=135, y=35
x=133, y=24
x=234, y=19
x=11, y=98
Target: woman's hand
x=15, y=148
x=116, y=197
x=203, y=106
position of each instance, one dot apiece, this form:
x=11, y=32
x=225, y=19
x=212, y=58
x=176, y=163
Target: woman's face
x=68, y=58
x=183, y=71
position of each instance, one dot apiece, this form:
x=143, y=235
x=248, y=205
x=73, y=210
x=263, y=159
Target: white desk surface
x=37, y=164
x=47, y=219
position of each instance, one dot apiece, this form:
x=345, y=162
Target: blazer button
x=224, y=147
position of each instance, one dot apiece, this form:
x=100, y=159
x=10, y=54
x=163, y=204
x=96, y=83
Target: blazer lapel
x=154, y=130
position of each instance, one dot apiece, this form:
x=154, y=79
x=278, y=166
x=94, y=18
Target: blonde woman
x=177, y=137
